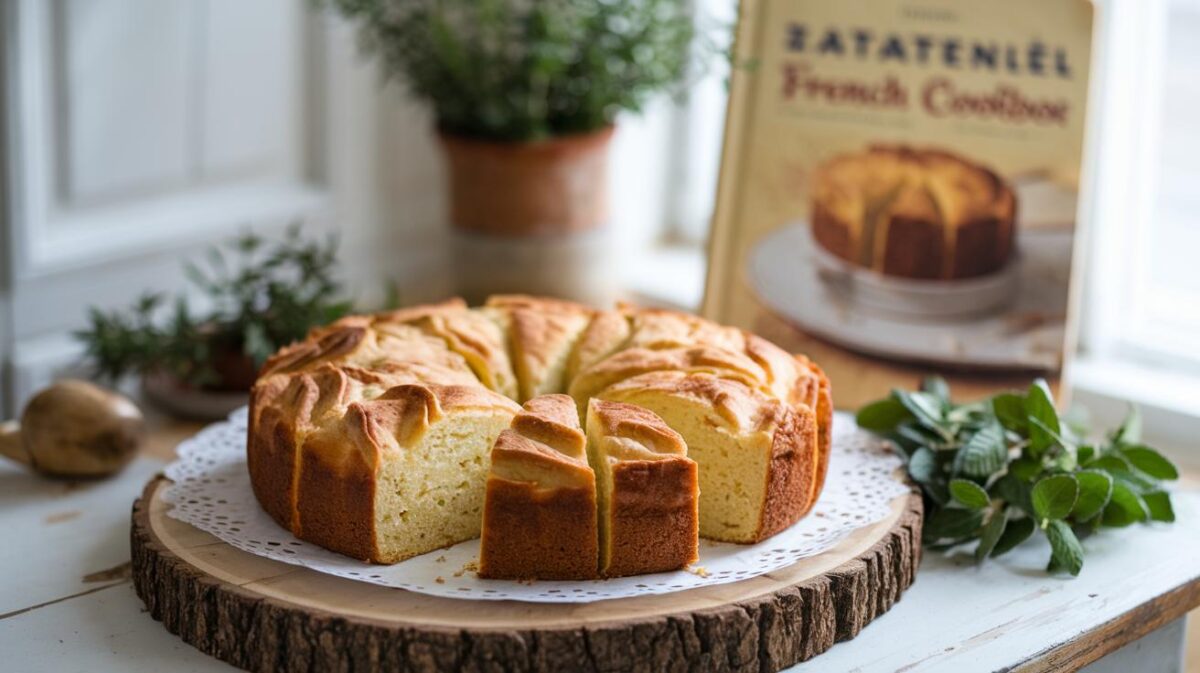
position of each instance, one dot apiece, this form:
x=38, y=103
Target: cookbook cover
x=899, y=185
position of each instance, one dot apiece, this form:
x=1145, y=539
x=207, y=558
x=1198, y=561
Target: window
x=692, y=134
x=1140, y=329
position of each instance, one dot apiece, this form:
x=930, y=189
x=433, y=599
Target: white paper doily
x=212, y=492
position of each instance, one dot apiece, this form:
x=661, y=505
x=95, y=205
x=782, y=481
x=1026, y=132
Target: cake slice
x=646, y=491
x=287, y=407
x=758, y=456
x=542, y=333
x=539, y=516
x=401, y=474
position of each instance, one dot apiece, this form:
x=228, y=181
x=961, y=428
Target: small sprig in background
x=255, y=297
x=997, y=470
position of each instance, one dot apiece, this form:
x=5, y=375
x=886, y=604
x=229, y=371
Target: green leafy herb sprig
x=256, y=298
x=1000, y=469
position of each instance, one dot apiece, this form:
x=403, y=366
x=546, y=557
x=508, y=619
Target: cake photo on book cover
x=899, y=184
x=913, y=213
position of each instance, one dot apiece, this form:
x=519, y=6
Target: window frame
x=1120, y=359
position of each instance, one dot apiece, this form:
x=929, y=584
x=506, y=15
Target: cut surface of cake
x=646, y=491
x=539, y=517
x=401, y=474
x=755, y=453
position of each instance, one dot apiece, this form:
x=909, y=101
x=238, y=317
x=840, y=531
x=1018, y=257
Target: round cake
x=913, y=213
x=577, y=443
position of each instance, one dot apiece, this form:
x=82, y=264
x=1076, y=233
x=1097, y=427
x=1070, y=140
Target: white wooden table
x=957, y=617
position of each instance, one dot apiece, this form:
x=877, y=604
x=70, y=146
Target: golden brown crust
x=475, y=336
x=823, y=415
x=792, y=473
x=635, y=361
x=335, y=493
x=654, y=518
x=332, y=345
x=530, y=533
x=607, y=332
x=553, y=420
x=643, y=427
x=547, y=304
x=414, y=313
x=664, y=328
x=650, y=521
x=271, y=458
x=539, y=517
x=543, y=334
x=741, y=407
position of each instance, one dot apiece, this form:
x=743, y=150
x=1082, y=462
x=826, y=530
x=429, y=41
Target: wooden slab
x=260, y=614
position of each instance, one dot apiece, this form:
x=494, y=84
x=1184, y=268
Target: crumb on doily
x=468, y=567
x=440, y=559
x=698, y=571
x=439, y=579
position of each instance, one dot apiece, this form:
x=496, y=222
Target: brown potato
x=74, y=429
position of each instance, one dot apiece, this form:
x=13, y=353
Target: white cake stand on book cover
x=1014, y=319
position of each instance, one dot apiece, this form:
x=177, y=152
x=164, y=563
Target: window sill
x=1169, y=401
x=670, y=276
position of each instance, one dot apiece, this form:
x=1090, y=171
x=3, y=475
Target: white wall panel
x=250, y=88
x=123, y=102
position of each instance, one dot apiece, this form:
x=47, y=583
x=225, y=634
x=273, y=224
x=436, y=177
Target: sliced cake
x=539, y=516
x=401, y=474
x=646, y=491
x=757, y=455
x=286, y=408
x=372, y=436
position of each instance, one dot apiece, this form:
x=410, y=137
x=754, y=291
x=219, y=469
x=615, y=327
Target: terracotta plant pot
x=523, y=189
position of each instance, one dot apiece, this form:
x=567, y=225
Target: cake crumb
x=439, y=579
x=528, y=582
x=468, y=567
x=440, y=559
x=698, y=571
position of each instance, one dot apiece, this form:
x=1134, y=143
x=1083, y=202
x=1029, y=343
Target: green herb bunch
x=257, y=298
x=515, y=70
x=997, y=470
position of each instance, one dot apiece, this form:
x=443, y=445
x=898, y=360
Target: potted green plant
x=525, y=96
x=257, y=297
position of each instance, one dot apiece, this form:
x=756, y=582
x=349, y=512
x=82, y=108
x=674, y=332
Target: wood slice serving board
x=263, y=615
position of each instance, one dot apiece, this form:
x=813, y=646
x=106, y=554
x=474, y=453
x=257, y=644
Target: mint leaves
x=1001, y=469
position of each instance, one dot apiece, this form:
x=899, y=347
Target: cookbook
x=899, y=187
